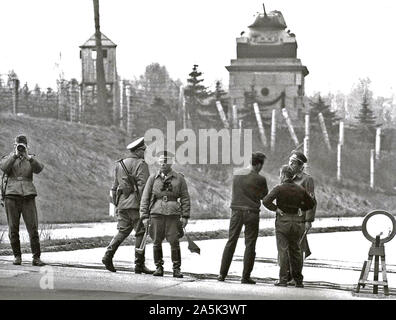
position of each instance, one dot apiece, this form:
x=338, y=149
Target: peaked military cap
x=298, y=155
x=21, y=139
x=165, y=155
x=138, y=143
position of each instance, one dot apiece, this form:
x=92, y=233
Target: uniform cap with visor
x=165, y=157
x=137, y=144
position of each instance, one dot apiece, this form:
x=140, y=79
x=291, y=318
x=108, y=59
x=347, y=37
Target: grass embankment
x=101, y=242
x=79, y=161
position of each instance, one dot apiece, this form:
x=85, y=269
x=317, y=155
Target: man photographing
x=20, y=194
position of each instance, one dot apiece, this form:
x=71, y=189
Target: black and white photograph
x=217, y=152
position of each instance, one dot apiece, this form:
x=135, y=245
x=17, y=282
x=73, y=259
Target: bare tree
x=103, y=108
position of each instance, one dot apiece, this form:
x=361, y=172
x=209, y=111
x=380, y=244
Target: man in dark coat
x=20, y=196
x=289, y=224
x=248, y=189
x=297, y=163
x=127, y=200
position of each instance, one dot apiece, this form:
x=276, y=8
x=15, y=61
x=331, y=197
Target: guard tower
x=267, y=61
x=88, y=80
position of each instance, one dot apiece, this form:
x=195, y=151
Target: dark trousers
x=27, y=207
x=127, y=220
x=250, y=220
x=288, y=235
x=166, y=227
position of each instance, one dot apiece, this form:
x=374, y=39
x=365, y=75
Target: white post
x=183, y=107
x=307, y=128
x=129, y=110
x=372, y=162
x=273, y=130
x=122, y=104
x=341, y=134
x=240, y=128
x=378, y=143
x=339, y=149
x=234, y=116
x=222, y=114
x=306, y=152
x=290, y=126
x=260, y=124
x=306, y=140
x=324, y=130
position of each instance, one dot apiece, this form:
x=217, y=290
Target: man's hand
x=145, y=222
x=184, y=222
x=280, y=212
x=308, y=226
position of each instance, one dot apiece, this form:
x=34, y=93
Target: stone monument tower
x=267, y=63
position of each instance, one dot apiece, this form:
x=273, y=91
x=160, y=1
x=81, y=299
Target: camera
x=21, y=147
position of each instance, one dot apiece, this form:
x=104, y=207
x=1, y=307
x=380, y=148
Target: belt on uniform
x=287, y=217
x=168, y=198
x=19, y=179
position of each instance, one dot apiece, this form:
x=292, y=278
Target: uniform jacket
x=289, y=198
x=20, y=175
x=179, y=198
x=139, y=169
x=306, y=181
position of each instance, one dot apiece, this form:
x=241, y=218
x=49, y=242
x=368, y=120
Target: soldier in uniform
x=289, y=224
x=297, y=162
x=166, y=202
x=20, y=195
x=127, y=192
x=248, y=189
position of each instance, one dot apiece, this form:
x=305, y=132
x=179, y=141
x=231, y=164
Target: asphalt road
x=67, y=282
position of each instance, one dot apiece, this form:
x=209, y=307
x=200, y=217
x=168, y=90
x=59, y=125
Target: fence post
x=372, y=167
x=260, y=124
x=129, y=110
x=324, y=130
x=234, y=116
x=290, y=126
x=222, y=114
x=122, y=125
x=306, y=141
x=377, y=143
x=339, y=150
x=273, y=130
x=341, y=133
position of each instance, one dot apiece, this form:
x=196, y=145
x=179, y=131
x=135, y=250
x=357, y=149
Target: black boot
x=17, y=261
x=159, y=262
x=37, y=262
x=139, y=264
x=176, y=259
x=107, y=259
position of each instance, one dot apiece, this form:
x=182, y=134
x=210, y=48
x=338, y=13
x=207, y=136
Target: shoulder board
x=182, y=174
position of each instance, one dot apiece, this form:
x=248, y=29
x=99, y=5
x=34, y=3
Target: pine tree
x=366, y=117
x=330, y=117
x=218, y=95
x=195, y=92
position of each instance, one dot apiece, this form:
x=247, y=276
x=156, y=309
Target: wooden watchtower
x=88, y=80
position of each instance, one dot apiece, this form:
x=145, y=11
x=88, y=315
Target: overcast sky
x=339, y=41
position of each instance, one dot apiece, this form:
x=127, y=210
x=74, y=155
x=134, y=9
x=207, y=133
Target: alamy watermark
x=47, y=280
x=202, y=149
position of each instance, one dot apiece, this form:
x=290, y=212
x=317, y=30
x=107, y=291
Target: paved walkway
x=334, y=265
